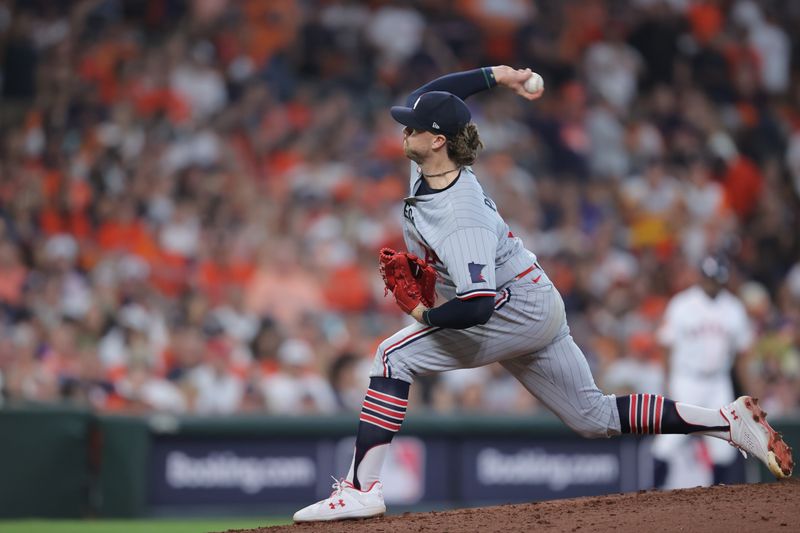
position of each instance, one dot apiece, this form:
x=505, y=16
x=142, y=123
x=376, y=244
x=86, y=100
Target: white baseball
x=534, y=84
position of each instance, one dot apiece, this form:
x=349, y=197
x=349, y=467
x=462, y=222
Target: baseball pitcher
x=498, y=305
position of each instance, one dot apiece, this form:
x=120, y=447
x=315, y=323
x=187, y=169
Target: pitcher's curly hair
x=463, y=148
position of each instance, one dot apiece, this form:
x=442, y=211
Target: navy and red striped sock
x=382, y=414
x=645, y=414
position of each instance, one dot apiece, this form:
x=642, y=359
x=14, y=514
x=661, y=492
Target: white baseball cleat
x=751, y=433
x=345, y=502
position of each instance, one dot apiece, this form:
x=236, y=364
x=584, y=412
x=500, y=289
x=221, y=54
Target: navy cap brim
x=406, y=117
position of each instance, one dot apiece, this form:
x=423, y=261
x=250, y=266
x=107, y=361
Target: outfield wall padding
x=65, y=462
x=44, y=462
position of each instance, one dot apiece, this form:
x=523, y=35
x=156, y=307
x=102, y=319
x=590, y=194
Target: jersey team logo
x=430, y=256
x=475, y=272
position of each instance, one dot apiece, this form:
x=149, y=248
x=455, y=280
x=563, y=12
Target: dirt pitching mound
x=760, y=507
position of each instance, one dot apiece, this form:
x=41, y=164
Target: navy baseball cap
x=436, y=112
x=715, y=268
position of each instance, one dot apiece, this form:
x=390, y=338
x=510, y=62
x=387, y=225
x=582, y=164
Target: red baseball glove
x=408, y=277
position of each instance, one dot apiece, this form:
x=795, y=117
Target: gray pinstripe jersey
x=460, y=233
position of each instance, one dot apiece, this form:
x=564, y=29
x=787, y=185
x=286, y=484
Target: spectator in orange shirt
x=743, y=184
x=12, y=274
x=218, y=274
x=280, y=287
x=122, y=231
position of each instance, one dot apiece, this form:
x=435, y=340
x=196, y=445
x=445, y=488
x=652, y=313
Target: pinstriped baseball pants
x=527, y=334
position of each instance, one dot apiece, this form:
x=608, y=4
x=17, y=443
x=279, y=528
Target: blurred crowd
x=193, y=192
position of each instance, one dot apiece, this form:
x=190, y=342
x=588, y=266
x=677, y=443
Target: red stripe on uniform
x=472, y=295
x=503, y=298
x=386, y=398
x=632, y=413
x=380, y=423
x=387, y=412
x=659, y=407
x=401, y=341
x=525, y=272
x=645, y=413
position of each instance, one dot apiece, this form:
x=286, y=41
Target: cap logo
x=415, y=103
x=435, y=125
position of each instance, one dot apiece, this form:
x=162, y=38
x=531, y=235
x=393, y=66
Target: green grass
x=135, y=526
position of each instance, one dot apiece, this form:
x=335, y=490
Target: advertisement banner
x=211, y=471
x=417, y=471
x=524, y=470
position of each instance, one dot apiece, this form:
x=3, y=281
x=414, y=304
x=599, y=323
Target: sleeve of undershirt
x=461, y=314
x=462, y=84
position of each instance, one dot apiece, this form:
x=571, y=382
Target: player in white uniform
x=706, y=328
x=499, y=306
